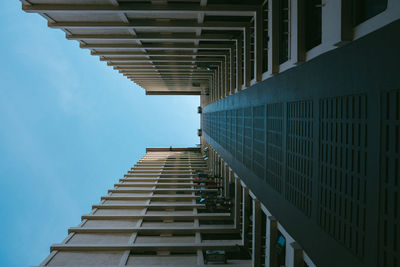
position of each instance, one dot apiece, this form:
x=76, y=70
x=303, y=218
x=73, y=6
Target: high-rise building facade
x=155, y=216
x=300, y=122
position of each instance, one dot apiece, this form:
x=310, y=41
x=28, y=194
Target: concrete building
x=300, y=111
x=152, y=217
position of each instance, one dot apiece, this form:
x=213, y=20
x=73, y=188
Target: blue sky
x=70, y=127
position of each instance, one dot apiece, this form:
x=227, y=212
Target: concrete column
x=215, y=164
x=214, y=85
x=294, y=255
x=337, y=27
x=226, y=185
x=212, y=162
x=223, y=176
x=273, y=34
x=219, y=85
x=212, y=91
x=231, y=70
x=226, y=74
x=238, y=198
x=245, y=216
x=216, y=170
x=256, y=251
x=239, y=73
x=258, y=44
x=247, y=56
x=272, y=236
x=223, y=78
x=297, y=33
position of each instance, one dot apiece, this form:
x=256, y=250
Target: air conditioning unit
x=199, y=132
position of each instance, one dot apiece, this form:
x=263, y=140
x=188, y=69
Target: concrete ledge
x=156, y=230
x=165, y=149
x=127, y=206
x=146, y=246
x=161, y=216
x=160, y=190
x=148, y=197
x=173, y=92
